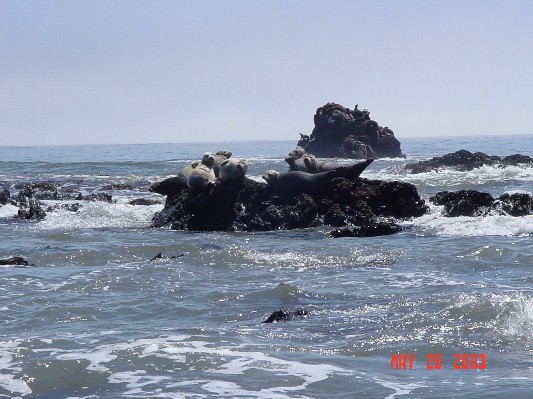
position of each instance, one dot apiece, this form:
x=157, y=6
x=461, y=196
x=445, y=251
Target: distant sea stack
x=349, y=133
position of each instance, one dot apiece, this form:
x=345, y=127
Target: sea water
x=95, y=317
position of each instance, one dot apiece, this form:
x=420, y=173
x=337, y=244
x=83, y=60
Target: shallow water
x=95, y=317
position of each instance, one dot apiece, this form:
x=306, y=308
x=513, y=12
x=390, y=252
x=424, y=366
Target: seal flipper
x=354, y=171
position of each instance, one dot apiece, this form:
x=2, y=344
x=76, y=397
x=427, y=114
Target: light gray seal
x=295, y=159
x=292, y=183
x=202, y=177
x=233, y=169
x=208, y=160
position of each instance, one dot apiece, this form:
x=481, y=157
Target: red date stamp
x=434, y=361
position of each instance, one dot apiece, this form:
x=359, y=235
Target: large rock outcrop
x=464, y=160
x=476, y=203
x=252, y=206
x=345, y=133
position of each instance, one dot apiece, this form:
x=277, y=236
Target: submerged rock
x=252, y=206
x=144, y=201
x=14, y=260
x=5, y=197
x=463, y=202
x=342, y=132
x=464, y=160
x=281, y=315
x=34, y=211
x=476, y=203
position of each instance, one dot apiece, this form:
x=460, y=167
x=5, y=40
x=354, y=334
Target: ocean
x=442, y=309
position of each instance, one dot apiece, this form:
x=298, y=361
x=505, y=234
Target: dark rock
x=517, y=159
x=102, y=197
x=464, y=160
x=341, y=132
x=377, y=228
x=160, y=255
x=475, y=203
x=518, y=204
x=463, y=202
x=169, y=187
x=34, y=212
x=143, y=201
x=253, y=206
x=14, y=260
x=117, y=186
x=5, y=197
x=281, y=315
x=67, y=207
x=38, y=186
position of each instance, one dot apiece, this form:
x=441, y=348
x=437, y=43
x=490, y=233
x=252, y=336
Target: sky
x=126, y=71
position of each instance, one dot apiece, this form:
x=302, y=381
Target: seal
x=208, y=160
x=296, y=164
x=295, y=159
x=233, y=169
x=202, y=177
x=293, y=183
x=176, y=184
x=355, y=170
x=220, y=157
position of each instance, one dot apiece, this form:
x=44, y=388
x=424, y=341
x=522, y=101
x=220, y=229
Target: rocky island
x=349, y=133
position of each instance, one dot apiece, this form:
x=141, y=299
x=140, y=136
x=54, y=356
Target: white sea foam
x=452, y=178
x=9, y=368
x=8, y=211
x=224, y=360
x=465, y=226
x=520, y=322
x=100, y=215
x=399, y=388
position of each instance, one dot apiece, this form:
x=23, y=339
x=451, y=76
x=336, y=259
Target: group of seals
x=199, y=175
x=300, y=160
x=307, y=174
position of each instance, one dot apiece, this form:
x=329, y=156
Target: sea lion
x=233, y=169
x=220, y=157
x=201, y=177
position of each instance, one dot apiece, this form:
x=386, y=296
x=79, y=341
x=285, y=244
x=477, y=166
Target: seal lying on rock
x=292, y=183
x=220, y=157
x=300, y=164
x=315, y=166
x=201, y=178
x=174, y=185
x=233, y=169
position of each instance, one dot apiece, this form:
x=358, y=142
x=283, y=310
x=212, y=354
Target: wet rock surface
x=349, y=133
x=14, y=260
x=253, y=206
x=281, y=315
x=464, y=160
x=476, y=203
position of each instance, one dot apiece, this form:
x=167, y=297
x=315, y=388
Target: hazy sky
x=77, y=72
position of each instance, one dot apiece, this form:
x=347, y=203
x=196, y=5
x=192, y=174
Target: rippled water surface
x=95, y=317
